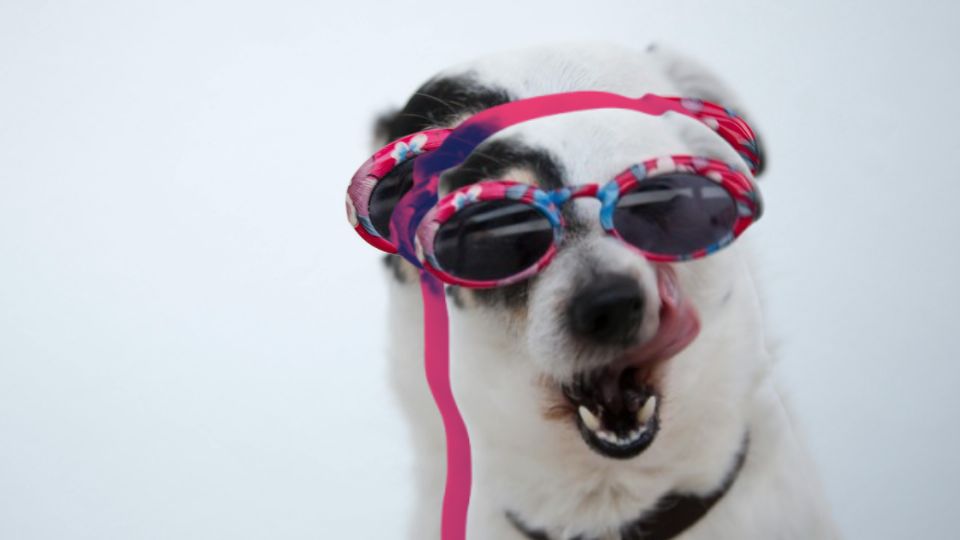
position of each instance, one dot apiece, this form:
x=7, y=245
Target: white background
x=191, y=336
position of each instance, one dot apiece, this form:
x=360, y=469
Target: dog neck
x=671, y=515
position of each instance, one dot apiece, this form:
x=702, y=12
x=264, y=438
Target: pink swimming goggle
x=499, y=232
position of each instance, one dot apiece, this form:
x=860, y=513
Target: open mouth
x=618, y=406
x=617, y=413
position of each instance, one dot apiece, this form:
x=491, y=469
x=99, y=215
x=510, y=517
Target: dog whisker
x=450, y=104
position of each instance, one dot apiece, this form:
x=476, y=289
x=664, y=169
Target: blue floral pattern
x=404, y=151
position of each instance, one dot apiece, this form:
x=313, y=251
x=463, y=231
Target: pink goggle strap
x=456, y=494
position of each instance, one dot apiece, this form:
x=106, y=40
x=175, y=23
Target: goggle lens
x=675, y=214
x=492, y=240
x=387, y=193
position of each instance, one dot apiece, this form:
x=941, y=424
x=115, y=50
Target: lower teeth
x=612, y=438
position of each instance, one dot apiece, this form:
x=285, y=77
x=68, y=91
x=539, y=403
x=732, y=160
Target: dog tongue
x=679, y=323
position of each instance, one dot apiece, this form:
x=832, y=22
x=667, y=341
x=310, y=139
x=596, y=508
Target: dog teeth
x=646, y=413
x=607, y=437
x=589, y=419
x=628, y=439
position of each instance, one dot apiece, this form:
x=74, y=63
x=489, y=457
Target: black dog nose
x=608, y=310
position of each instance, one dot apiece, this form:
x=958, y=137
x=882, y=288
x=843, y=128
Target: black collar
x=673, y=513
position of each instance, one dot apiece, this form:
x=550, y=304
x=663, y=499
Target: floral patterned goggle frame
x=498, y=232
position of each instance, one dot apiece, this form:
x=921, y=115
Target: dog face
x=603, y=346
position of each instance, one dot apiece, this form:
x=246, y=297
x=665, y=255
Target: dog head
x=603, y=346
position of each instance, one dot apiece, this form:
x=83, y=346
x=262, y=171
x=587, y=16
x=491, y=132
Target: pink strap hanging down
x=456, y=495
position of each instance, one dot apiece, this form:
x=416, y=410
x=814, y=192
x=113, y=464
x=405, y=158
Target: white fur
x=714, y=391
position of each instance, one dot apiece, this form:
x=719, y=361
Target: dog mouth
x=618, y=406
x=617, y=413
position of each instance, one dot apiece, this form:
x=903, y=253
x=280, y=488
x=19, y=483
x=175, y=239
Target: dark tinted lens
x=492, y=240
x=675, y=214
x=386, y=193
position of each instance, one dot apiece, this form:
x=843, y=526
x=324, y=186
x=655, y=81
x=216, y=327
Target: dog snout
x=608, y=310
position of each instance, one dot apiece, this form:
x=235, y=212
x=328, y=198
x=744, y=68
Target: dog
x=548, y=371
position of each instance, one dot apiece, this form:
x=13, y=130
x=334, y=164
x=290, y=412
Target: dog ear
x=383, y=126
x=693, y=79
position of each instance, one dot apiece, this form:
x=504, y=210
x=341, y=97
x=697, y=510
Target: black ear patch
x=437, y=103
x=381, y=126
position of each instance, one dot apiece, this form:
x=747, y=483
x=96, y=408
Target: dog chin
x=616, y=408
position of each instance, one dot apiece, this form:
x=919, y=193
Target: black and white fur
x=512, y=348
